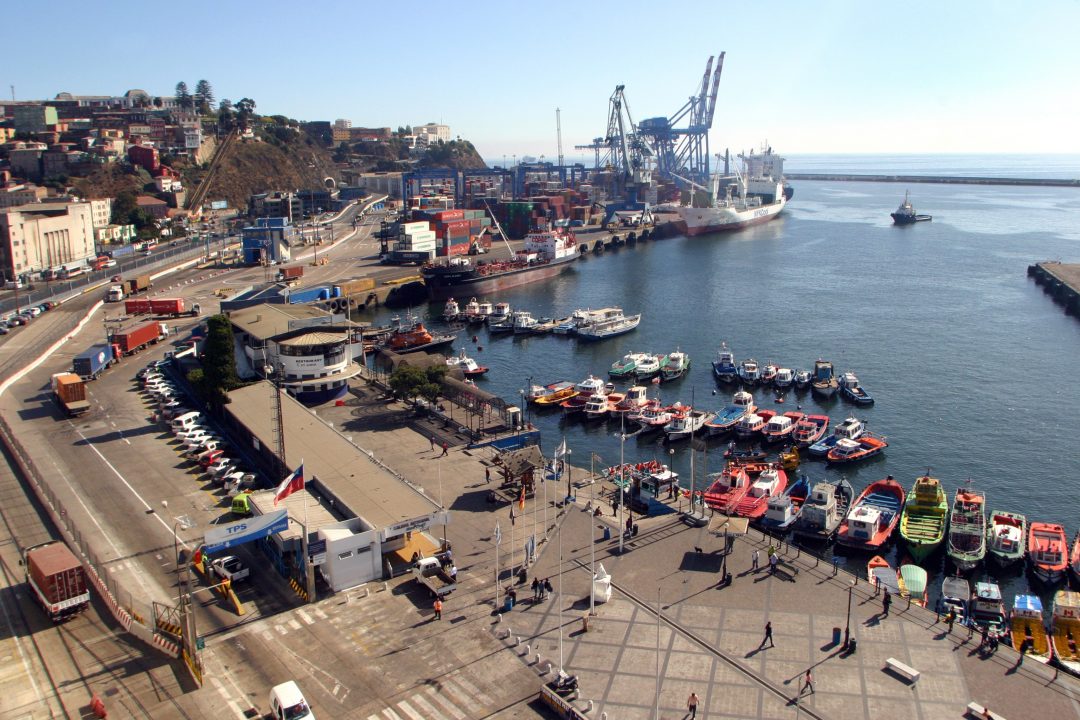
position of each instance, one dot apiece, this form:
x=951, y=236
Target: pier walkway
x=1061, y=281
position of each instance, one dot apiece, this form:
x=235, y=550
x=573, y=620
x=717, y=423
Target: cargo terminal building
x=365, y=520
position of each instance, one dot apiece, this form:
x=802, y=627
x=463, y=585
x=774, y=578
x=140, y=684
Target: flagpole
x=561, y=603
x=619, y=488
x=534, y=512
x=498, y=540
x=544, y=480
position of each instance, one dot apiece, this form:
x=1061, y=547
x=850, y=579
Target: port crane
x=685, y=150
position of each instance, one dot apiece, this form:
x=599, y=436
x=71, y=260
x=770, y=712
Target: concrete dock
x=936, y=179
x=1061, y=281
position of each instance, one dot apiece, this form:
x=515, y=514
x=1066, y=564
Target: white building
x=432, y=132
x=45, y=235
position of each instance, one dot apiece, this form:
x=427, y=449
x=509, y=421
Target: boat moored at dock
x=967, y=528
x=873, y=516
x=1006, y=537
x=724, y=368
x=922, y=524
x=823, y=511
x=754, y=195
x=1048, y=552
x=1027, y=629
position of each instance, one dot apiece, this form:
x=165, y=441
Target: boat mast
x=499, y=228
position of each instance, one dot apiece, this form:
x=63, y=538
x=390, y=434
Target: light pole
x=847, y=623
x=622, y=478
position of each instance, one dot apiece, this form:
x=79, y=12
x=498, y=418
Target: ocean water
x=974, y=369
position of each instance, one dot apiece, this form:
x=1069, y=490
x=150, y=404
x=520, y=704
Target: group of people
x=541, y=588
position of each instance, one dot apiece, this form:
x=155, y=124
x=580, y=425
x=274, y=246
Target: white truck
x=230, y=568
x=115, y=293
x=430, y=573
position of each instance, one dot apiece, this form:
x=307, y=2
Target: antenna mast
x=558, y=129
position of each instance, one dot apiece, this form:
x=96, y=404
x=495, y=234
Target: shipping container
x=88, y=364
x=135, y=339
x=122, y=251
x=57, y=579
x=70, y=392
x=137, y=284
x=292, y=272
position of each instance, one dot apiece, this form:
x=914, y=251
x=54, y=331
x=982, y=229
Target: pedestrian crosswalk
x=453, y=697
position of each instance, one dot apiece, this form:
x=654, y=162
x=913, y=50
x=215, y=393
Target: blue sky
x=808, y=77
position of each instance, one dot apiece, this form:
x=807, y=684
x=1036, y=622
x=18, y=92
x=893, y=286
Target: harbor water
x=974, y=369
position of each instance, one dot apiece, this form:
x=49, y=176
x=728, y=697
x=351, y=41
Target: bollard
x=498, y=618
x=517, y=640
x=603, y=716
x=384, y=587
x=528, y=650
x=537, y=659
x=588, y=706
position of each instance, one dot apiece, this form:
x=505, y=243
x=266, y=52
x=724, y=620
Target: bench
x=901, y=669
x=976, y=710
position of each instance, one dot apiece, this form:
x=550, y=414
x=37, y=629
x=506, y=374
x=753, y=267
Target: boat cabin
x=766, y=484
x=597, y=403
x=742, y=399
x=750, y=423
x=986, y=605
x=863, y=523
x=780, y=511
x=779, y=425
x=784, y=376
x=955, y=593
x=851, y=429
x=820, y=509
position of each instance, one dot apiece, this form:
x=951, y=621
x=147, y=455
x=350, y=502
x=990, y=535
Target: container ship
x=546, y=254
x=755, y=195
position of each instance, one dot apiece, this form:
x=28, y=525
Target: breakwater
x=1061, y=281
x=937, y=179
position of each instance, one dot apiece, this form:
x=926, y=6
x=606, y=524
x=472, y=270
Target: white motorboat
x=500, y=314
x=451, y=310
x=784, y=377
x=749, y=372
x=466, y=364
x=648, y=367
x=685, y=423
x=524, y=322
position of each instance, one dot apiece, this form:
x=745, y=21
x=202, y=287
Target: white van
x=185, y=421
x=288, y=703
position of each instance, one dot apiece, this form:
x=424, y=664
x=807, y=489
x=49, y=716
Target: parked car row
x=24, y=316
x=198, y=440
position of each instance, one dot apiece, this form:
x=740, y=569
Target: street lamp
x=847, y=623
x=183, y=522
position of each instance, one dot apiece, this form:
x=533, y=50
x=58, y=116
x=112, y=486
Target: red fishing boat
x=866, y=446
x=873, y=516
x=810, y=429
x=765, y=482
x=781, y=427
x=412, y=336
x=1048, y=551
x=728, y=488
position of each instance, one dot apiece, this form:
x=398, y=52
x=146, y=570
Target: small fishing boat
x=636, y=397
x=501, y=313
x=626, y=366
x=913, y=584
x=956, y=597
x=922, y=524
x=545, y=325
x=569, y=325
x=1048, y=552
x=524, y=322
x=451, y=310
x=851, y=429
x=686, y=423
x=727, y=488
x=781, y=427
x=1027, y=629
x=867, y=446
x=749, y=372
x=466, y=364
x=987, y=610
x=742, y=404
x=881, y=575
x=1074, y=559
x=765, y=482
x=784, y=378
x=810, y=429
x=599, y=404
x=802, y=379
x=744, y=456
x=824, y=380
x=554, y=393
x=782, y=511
x=505, y=325
x=648, y=367
x=724, y=365
x=1006, y=537
x=967, y=528
x=790, y=460
x=824, y=510
x=752, y=423
x=674, y=366
x=471, y=312
x=654, y=416
x=768, y=373
x=850, y=388
x=1065, y=630
x=583, y=391
x=873, y=516
x=609, y=327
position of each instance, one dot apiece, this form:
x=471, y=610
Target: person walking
x=487, y=475
x=808, y=683
x=512, y=515
x=444, y=450
x=548, y=589
x=754, y=560
x=768, y=636
x=536, y=588
x=431, y=439
x=885, y=603
x=691, y=705
x=774, y=560
x=438, y=608
x=985, y=641
x=950, y=619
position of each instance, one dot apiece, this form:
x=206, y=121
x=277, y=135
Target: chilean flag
x=292, y=483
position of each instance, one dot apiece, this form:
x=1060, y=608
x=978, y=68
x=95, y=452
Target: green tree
x=226, y=116
x=218, y=362
x=245, y=109
x=204, y=96
x=183, y=96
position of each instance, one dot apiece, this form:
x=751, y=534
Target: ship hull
x=445, y=286
x=702, y=221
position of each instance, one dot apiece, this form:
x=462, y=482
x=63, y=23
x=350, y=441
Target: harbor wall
x=1061, y=281
x=936, y=179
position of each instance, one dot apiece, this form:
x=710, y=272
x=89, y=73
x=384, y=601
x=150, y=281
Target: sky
x=832, y=76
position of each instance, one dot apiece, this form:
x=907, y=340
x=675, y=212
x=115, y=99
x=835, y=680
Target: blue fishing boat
x=742, y=404
x=723, y=366
x=851, y=429
x=853, y=391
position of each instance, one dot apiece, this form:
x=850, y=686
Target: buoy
x=474, y=338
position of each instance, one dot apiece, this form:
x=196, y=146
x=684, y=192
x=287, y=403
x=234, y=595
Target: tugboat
x=905, y=214
x=412, y=336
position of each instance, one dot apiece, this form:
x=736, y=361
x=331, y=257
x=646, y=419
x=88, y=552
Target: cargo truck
x=70, y=392
x=57, y=579
x=132, y=340
x=173, y=307
x=115, y=293
x=137, y=284
x=290, y=274
x=89, y=364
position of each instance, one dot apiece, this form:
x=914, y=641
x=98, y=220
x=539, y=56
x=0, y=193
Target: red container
x=138, y=337
x=444, y=215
